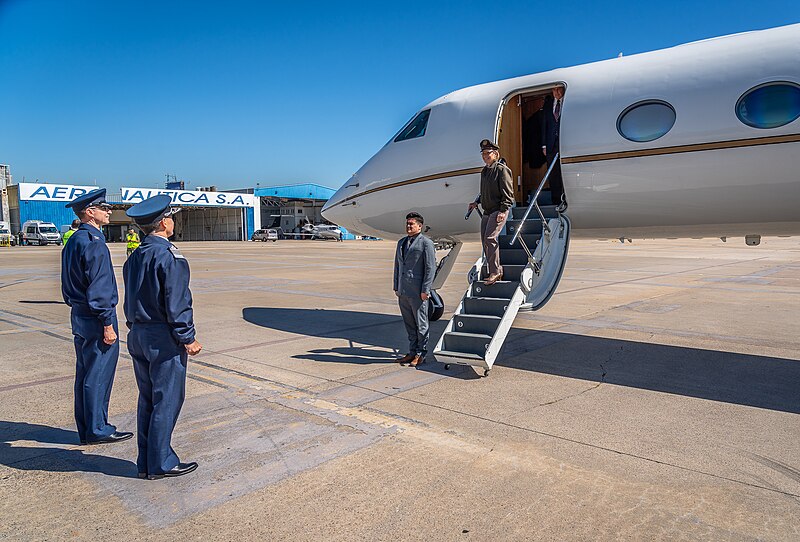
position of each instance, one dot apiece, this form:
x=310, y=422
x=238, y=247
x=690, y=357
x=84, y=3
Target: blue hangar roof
x=296, y=191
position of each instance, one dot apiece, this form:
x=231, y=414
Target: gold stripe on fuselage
x=433, y=177
x=697, y=147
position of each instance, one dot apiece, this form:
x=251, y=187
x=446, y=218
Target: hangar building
x=291, y=206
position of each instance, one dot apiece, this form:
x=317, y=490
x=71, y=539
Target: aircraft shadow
x=744, y=379
x=53, y=458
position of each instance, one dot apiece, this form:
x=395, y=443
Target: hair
x=82, y=216
x=147, y=229
x=76, y=223
x=415, y=216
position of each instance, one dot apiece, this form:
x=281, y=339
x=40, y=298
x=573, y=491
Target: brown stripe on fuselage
x=415, y=180
x=697, y=147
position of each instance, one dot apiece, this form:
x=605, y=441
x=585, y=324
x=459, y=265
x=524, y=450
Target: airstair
x=533, y=251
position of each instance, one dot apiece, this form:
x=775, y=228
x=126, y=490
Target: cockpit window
x=770, y=105
x=415, y=128
x=646, y=121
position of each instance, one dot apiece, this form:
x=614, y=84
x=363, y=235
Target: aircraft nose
x=337, y=211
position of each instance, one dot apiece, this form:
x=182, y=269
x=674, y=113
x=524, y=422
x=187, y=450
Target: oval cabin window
x=646, y=121
x=769, y=106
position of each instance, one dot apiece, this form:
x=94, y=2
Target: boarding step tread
x=479, y=316
x=469, y=335
x=549, y=211
x=530, y=239
x=462, y=355
x=491, y=298
x=500, y=289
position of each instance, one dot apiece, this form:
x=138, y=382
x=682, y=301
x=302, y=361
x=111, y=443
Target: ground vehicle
x=36, y=232
x=6, y=239
x=265, y=235
x=326, y=231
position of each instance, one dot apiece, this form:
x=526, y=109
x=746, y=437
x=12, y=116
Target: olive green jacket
x=497, y=188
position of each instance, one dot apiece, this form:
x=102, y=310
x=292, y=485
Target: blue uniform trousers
x=159, y=363
x=415, y=317
x=94, y=376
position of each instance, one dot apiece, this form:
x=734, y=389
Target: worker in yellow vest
x=133, y=240
x=73, y=228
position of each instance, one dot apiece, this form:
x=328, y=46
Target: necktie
x=406, y=244
x=557, y=110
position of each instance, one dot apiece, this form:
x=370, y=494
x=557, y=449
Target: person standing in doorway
x=414, y=269
x=89, y=288
x=132, y=238
x=496, y=198
x=158, y=312
x=551, y=129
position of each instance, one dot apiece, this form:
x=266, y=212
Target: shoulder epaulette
x=176, y=253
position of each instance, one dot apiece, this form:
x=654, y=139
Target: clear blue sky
x=233, y=93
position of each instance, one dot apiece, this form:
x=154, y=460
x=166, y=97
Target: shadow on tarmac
x=383, y=331
x=743, y=379
x=53, y=458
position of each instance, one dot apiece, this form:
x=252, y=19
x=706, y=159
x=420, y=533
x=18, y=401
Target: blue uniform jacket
x=88, y=284
x=157, y=288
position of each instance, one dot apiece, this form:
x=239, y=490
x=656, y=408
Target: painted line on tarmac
x=36, y=383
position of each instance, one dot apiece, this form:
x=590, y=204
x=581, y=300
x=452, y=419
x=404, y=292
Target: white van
x=6, y=239
x=36, y=232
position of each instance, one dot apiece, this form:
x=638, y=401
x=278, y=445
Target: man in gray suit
x=414, y=269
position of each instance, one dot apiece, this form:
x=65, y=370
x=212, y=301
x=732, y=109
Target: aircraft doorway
x=528, y=134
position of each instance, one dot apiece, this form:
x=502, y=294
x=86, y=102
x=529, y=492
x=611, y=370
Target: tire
x=435, y=307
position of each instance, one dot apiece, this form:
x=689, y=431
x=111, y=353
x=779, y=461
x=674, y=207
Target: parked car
x=36, y=232
x=265, y=235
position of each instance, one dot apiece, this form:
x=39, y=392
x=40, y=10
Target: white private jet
x=698, y=140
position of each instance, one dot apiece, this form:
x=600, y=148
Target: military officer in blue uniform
x=158, y=311
x=89, y=287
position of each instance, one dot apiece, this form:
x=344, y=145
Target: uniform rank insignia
x=176, y=253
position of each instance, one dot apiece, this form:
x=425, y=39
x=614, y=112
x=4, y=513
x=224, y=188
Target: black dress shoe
x=179, y=470
x=116, y=436
x=142, y=475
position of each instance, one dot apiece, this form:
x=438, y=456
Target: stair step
x=463, y=355
x=531, y=226
x=488, y=306
x=501, y=289
x=549, y=211
x=475, y=323
x=468, y=343
x=531, y=239
x=512, y=272
x=513, y=256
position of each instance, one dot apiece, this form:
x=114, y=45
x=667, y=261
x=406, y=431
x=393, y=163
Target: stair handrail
x=535, y=203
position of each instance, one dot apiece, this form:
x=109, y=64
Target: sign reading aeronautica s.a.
x=51, y=192
x=190, y=197
x=68, y=192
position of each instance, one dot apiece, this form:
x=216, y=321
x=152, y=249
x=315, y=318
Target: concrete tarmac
x=657, y=396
